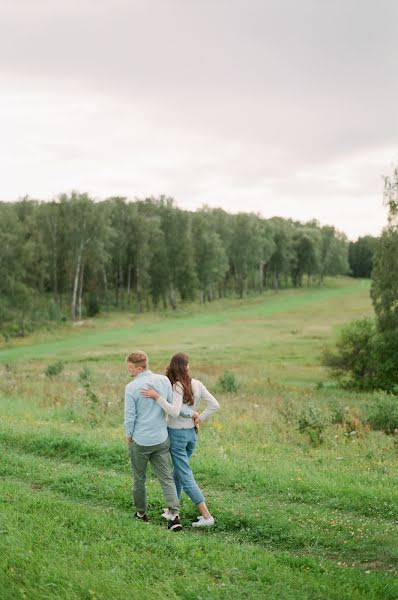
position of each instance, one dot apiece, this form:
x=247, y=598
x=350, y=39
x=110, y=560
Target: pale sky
x=279, y=107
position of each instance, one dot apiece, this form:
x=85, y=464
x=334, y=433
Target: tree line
x=73, y=256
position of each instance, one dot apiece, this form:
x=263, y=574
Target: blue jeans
x=182, y=445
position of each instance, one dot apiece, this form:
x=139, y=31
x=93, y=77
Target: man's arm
x=129, y=414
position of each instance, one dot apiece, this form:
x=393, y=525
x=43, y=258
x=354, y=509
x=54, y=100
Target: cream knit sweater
x=173, y=410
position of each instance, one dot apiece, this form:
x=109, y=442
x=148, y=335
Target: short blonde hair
x=138, y=358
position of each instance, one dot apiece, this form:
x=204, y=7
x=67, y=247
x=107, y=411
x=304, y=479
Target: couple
x=151, y=435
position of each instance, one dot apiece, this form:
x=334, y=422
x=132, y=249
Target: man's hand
x=129, y=439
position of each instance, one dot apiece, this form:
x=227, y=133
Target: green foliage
x=333, y=252
x=228, y=383
x=305, y=258
x=90, y=393
x=366, y=357
x=92, y=398
x=85, y=375
x=383, y=413
x=384, y=291
x=77, y=251
x=361, y=255
x=353, y=362
x=313, y=421
x=54, y=311
x=54, y=369
x=338, y=411
x=92, y=305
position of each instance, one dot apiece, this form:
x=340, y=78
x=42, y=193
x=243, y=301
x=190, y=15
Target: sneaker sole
x=175, y=527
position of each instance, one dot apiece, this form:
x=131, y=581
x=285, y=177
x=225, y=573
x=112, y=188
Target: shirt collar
x=147, y=372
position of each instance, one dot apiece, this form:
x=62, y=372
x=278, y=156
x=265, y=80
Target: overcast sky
x=281, y=107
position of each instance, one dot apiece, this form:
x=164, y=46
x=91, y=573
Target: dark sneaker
x=143, y=517
x=174, y=524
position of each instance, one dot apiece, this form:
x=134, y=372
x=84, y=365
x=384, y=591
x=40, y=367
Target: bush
x=92, y=305
x=353, y=362
x=386, y=361
x=338, y=411
x=85, y=375
x=383, y=413
x=54, y=311
x=227, y=382
x=54, y=369
x=313, y=422
x=365, y=358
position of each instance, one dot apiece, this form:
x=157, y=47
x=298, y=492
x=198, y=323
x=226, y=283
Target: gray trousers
x=159, y=458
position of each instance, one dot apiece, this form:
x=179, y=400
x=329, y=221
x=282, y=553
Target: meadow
x=293, y=520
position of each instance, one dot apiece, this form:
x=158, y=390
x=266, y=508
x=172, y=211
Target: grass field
x=293, y=521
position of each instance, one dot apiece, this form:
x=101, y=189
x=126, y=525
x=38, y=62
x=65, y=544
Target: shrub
x=353, y=362
x=85, y=375
x=313, y=422
x=54, y=369
x=227, y=382
x=365, y=358
x=383, y=413
x=338, y=411
x=288, y=410
x=92, y=398
x=54, y=311
x=386, y=361
x=92, y=305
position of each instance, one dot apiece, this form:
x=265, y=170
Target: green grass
x=292, y=521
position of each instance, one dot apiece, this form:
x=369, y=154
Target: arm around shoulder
x=176, y=406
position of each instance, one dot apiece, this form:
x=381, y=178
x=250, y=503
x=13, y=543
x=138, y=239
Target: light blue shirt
x=144, y=419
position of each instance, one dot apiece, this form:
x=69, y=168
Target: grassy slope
x=292, y=521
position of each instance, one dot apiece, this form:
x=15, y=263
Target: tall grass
x=293, y=520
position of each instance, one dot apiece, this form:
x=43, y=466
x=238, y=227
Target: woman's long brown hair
x=177, y=372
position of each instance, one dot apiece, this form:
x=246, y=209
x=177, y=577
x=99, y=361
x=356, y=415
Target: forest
x=72, y=257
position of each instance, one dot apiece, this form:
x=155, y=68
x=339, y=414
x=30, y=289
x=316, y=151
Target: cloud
x=268, y=106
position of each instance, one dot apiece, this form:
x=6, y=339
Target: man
x=147, y=436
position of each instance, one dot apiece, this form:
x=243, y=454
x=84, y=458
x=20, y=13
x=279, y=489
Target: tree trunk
x=80, y=292
x=54, y=237
x=129, y=283
x=265, y=276
x=105, y=279
x=120, y=280
x=172, y=297
x=261, y=277
x=138, y=288
x=164, y=300
x=76, y=282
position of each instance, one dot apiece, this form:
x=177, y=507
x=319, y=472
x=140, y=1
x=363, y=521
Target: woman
x=182, y=430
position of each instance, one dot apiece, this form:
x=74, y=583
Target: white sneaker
x=202, y=522
x=167, y=515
